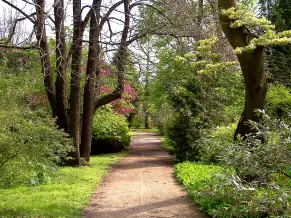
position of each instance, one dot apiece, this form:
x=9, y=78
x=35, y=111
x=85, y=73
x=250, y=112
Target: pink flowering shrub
x=124, y=105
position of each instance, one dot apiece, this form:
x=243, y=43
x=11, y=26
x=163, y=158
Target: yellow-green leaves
x=261, y=31
x=204, y=60
x=242, y=17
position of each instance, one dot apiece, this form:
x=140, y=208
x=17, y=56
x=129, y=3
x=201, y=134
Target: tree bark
x=75, y=92
x=252, y=66
x=89, y=94
x=60, y=83
x=44, y=54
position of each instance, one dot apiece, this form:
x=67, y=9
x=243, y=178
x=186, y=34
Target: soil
x=142, y=185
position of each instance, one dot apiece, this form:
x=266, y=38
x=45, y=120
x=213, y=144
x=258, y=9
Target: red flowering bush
x=124, y=105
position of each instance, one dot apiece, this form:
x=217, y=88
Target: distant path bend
x=142, y=185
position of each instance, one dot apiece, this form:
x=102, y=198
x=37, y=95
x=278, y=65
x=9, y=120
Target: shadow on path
x=142, y=185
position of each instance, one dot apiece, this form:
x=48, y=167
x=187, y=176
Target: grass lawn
x=66, y=195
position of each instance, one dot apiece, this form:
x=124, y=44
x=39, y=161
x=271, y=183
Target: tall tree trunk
x=252, y=66
x=60, y=65
x=44, y=54
x=89, y=94
x=75, y=92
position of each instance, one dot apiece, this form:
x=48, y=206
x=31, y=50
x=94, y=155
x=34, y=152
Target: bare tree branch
x=19, y=10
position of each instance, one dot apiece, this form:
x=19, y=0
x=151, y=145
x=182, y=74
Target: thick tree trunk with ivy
x=252, y=66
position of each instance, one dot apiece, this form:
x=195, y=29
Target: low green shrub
x=254, y=182
x=194, y=177
x=30, y=147
x=220, y=193
x=212, y=142
x=108, y=126
x=278, y=101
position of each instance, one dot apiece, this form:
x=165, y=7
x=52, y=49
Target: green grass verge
x=194, y=176
x=154, y=130
x=66, y=195
x=132, y=133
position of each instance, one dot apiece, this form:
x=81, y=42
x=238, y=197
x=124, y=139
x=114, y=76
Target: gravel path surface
x=142, y=185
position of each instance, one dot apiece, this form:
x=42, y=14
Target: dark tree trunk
x=256, y=88
x=75, y=92
x=44, y=54
x=252, y=66
x=89, y=94
x=60, y=65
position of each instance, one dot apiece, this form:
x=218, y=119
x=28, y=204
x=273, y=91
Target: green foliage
x=199, y=88
x=279, y=101
x=194, y=176
x=243, y=18
x=233, y=198
x=253, y=183
x=22, y=91
x=262, y=153
x=222, y=194
x=18, y=61
x=109, y=125
x=66, y=195
x=213, y=142
x=182, y=135
x=30, y=147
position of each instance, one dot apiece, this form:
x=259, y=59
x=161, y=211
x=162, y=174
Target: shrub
x=220, y=193
x=109, y=129
x=212, y=142
x=30, y=146
x=278, y=101
x=182, y=135
x=254, y=184
x=261, y=153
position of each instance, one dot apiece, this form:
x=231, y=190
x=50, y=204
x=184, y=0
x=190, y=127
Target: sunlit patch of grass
x=154, y=130
x=66, y=195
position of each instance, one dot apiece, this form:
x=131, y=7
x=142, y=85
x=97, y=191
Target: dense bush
x=260, y=154
x=213, y=142
x=254, y=182
x=279, y=101
x=182, y=134
x=110, y=131
x=203, y=100
x=30, y=146
x=222, y=194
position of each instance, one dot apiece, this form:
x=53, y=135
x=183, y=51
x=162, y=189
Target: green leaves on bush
x=30, y=147
x=109, y=125
x=279, y=101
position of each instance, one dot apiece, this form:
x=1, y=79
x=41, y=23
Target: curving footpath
x=142, y=185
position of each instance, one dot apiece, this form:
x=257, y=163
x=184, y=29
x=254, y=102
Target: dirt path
x=142, y=185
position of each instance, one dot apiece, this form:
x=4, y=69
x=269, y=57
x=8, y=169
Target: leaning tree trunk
x=252, y=66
